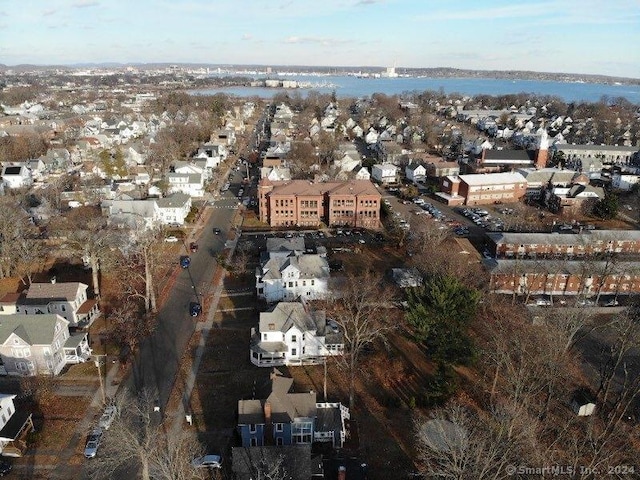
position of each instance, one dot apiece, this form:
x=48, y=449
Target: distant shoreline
x=432, y=72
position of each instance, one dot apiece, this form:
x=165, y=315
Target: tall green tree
x=440, y=311
x=607, y=207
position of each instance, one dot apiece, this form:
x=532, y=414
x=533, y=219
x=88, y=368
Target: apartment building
x=483, y=189
x=599, y=262
x=300, y=203
x=608, y=154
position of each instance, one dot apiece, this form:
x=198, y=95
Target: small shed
x=583, y=403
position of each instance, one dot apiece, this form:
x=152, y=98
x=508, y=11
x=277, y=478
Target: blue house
x=286, y=418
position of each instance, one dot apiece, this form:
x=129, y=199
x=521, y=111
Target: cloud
x=85, y=3
x=509, y=11
x=314, y=41
x=247, y=36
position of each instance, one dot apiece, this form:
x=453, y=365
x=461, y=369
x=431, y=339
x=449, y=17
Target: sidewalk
x=179, y=415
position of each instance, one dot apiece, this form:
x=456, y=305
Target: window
x=279, y=441
x=279, y=427
x=254, y=442
x=294, y=352
x=294, y=338
x=63, y=308
x=252, y=428
x=290, y=284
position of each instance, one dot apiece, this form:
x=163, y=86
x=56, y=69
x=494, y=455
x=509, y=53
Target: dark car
x=195, y=309
x=193, y=247
x=5, y=467
x=185, y=261
x=216, y=231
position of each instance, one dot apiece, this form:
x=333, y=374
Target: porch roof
x=15, y=425
x=270, y=347
x=87, y=306
x=75, y=340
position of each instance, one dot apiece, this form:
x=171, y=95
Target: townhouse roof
x=493, y=178
x=51, y=292
x=586, y=237
x=611, y=148
x=559, y=266
x=546, y=175
x=33, y=329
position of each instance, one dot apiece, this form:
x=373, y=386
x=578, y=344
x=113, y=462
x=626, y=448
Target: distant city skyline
x=564, y=36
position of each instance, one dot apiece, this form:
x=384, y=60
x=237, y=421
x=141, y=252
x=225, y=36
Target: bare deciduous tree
x=137, y=442
x=360, y=308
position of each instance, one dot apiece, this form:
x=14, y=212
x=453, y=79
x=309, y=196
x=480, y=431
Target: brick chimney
x=268, y=427
x=342, y=472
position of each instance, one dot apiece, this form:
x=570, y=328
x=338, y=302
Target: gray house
x=39, y=344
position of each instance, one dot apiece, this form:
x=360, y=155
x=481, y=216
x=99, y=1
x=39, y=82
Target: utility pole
x=325, y=378
x=98, y=364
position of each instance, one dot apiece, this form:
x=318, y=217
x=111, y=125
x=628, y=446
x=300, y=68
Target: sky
x=569, y=36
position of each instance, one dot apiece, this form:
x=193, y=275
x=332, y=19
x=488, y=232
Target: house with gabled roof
x=16, y=176
x=148, y=213
x=415, y=172
x=39, y=344
x=287, y=278
x=15, y=425
x=287, y=418
x=291, y=333
x=68, y=299
x=191, y=184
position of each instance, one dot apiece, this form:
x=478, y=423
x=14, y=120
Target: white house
x=16, y=176
x=415, y=172
x=275, y=173
x=362, y=173
x=190, y=183
x=291, y=277
x=149, y=213
x=14, y=427
x=292, y=334
x=385, y=173
x=68, y=299
x=39, y=344
x=623, y=181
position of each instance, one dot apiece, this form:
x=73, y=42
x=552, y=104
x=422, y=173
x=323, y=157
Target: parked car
x=193, y=246
x=5, y=467
x=543, y=302
x=185, y=261
x=107, y=417
x=195, y=309
x=585, y=303
x=171, y=239
x=208, y=461
x=611, y=303
x=93, y=442
x=216, y=231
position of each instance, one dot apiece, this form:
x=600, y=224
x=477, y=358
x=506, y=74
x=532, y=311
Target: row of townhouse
x=607, y=154
x=300, y=203
x=598, y=262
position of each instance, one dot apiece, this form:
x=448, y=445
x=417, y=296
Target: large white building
x=291, y=334
x=297, y=276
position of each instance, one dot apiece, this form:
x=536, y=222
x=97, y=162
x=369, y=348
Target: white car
x=208, y=461
x=543, y=302
x=585, y=303
x=93, y=442
x=107, y=417
x=171, y=239
x=612, y=303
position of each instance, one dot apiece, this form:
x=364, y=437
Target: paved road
x=157, y=363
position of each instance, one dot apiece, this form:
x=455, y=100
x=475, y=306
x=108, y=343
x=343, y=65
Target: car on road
x=93, y=442
x=193, y=246
x=185, y=261
x=171, y=239
x=107, y=417
x=611, y=303
x=542, y=302
x=208, y=461
x=195, y=309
